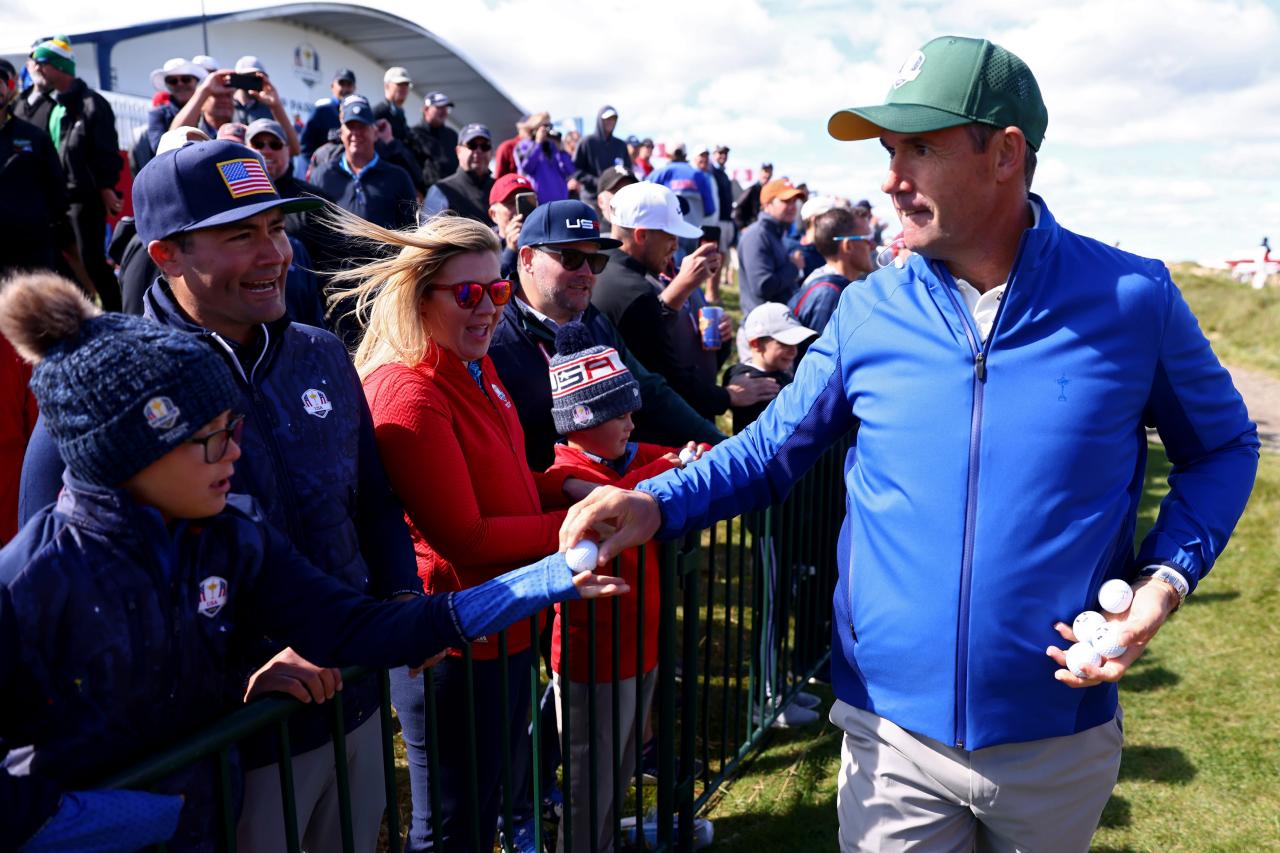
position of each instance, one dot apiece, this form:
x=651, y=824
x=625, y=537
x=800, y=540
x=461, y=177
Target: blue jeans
x=454, y=711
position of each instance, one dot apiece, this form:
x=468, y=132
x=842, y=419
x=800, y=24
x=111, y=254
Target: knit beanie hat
x=117, y=392
x=589, y=382
x=58, y=53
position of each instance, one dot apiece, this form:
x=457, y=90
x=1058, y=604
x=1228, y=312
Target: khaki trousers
x=900, y=790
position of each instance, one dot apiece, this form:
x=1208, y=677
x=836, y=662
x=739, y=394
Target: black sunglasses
x=273, y=144
x=469, y=293
x=174, y=81
x=572, y=259
x=479, y=144
x=216, y=443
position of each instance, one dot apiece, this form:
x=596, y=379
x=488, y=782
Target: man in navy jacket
x=1001, y=380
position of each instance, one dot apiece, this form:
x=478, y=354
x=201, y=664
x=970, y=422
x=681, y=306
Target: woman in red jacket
x=453, y=446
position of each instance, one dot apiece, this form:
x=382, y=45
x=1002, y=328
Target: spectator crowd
x=405, y=346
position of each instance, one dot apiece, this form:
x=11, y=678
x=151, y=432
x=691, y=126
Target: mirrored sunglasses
x=468, y=294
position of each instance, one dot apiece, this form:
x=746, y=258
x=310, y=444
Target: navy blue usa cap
x=567, y=221
x=356, y=108
x=204, y=184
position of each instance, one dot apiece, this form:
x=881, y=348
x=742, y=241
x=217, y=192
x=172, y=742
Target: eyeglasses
x=865, y=238
x=175, y=81
x=572, y=259
x=469, y=293
x=217, y=442
x=479, y=144
x=273, y=144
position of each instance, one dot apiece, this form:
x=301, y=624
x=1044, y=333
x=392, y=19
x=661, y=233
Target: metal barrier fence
x=745, y=622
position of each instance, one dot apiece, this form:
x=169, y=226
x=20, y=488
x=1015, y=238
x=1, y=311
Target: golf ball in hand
x=582, y=557
x=1081, y=655
x=1086, y=623
x=688, y=455
x=1105, y=640
x=1115, y=596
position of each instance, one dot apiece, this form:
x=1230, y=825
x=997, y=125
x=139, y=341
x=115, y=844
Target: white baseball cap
x=397, y=74
x=249, y=64
x=178, y=137
x=652, y=206
x=775, y=320
x=817, y=206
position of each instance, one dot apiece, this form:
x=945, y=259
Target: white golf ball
x=582, y=556
x=1086, y=623
x=1115, y=596
x=1081, y=655
x=688, y=455
x=1105, y=640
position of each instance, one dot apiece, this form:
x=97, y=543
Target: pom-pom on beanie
x=117, y=392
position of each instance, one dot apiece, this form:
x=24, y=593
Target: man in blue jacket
x=1000, y=380
x=214, y=225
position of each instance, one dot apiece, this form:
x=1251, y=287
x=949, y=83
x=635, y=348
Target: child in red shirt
x=593, y=395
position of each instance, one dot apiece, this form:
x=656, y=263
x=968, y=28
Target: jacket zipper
x=981, y=355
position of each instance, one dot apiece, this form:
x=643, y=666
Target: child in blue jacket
x=124, y=606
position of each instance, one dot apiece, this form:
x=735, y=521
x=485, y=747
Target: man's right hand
x=701, y=264
x=633, y=516
x=749, y=390
x=288, y=672
x=512, y=232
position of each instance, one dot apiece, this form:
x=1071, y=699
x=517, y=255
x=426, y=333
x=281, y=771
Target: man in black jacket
x=555, y=291
x=83, y=129
x=658, y=317
x=598, y=152
x=466, y=191
x=432, y=141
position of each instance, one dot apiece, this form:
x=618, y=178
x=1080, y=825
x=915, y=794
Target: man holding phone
x=256, y=99
x=511, y=200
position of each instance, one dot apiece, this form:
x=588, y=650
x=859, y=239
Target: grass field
x=1242, y=323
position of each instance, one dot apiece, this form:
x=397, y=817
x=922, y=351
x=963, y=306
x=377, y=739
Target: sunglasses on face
x=479, y=144
x=572, y=259
x=273, y=144
x=468, y=294
x=177, y=81
x=865, y=238
x=217, y=442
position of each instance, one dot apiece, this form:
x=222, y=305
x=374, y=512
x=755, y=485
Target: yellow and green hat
x=56, y=52
x=949, y=82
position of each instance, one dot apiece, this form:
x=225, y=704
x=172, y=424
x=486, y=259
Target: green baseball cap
x=949, y=82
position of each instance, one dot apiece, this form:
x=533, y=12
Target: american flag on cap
x=245, y=177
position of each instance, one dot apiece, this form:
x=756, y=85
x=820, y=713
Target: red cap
x=508, y=184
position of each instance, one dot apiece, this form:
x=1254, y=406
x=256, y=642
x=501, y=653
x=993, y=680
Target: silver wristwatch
x=1172, y=577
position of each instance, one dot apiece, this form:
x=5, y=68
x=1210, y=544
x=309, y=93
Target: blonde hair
x=389, y=291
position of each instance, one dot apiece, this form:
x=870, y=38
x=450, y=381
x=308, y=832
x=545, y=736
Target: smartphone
x=710, y=234
x=247, y=82
x=525, y=203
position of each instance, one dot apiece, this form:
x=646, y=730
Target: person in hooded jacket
x=599, y=151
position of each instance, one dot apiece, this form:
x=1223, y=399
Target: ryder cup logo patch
x=316, y=403
x=581, y=415
x=910, y=69
x=161, y=413
x=213, y=595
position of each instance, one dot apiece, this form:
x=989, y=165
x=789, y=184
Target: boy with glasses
x=845, y=242
x=126, y=606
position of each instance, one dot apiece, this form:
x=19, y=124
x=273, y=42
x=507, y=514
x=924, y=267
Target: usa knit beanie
x=589, y=382
x=58, y=53
x=117, y=392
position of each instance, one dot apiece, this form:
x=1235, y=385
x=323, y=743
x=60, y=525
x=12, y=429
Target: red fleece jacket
x=648, y=462
x=455, y=456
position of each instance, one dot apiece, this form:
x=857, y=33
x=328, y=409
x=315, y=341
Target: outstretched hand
x=1153, y=601
x=621, y=518
x=592, y=585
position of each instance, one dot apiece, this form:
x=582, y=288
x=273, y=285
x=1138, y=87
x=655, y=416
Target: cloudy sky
x=1164, y=115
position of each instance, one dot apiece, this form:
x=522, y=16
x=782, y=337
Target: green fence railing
x=745, y=622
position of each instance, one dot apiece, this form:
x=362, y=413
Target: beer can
x=709, y=318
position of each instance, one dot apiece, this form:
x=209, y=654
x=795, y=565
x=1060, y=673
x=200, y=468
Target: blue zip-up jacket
x=765, y=272
x=310, y=460
x=994, y=487
x=119, y=635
